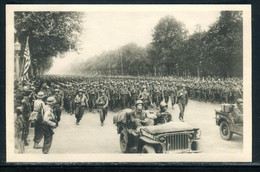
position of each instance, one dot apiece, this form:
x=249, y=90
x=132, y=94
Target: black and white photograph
x=128, y=83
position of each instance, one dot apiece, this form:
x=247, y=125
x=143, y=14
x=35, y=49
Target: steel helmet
x=163, y=104
x=139, y=102
x=239, y=100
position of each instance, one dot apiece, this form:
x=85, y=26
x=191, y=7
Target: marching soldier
x=166, y=93
x=124, y=95
x=157, y=96
x=114, y=97
x=81, y=103
x=182, y=100
x=92, y=98
x=102, y=102
x=173, y=94
x=58, y=105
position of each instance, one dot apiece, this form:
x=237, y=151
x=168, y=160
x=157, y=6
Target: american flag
x=27, y=63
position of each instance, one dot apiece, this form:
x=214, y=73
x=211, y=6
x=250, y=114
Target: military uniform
x=38, y=131
x=26, y=114
x=145, y=97
x=173, y=94
x=49, y=123
x=114, y=97
x=18, y=131
x=182, y=100
x=92, y=98
x=124, y=95
x=81, y=102
x=102, y=102
x=57, y=107
x=162, y=117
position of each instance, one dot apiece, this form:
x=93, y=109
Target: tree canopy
x=216, y=52
x=50, y=34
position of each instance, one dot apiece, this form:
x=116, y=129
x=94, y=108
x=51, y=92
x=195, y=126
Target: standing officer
x=49, y=123
x=58, y=105
x=38, y=107
x=26, y=114
x=182, y=100
x=18, y=130
x=81, y=103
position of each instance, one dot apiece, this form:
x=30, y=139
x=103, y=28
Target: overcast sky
x=106, y=31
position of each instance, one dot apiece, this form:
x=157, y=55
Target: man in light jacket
x=49, y=123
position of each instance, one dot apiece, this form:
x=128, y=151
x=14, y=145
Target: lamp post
x=17, y=49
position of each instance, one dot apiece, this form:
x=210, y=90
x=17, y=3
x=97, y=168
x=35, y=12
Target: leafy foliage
x=217, y=52
x=50, y=34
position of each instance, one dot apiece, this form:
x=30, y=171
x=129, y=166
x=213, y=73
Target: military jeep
x=227, y=126
x=171, y=137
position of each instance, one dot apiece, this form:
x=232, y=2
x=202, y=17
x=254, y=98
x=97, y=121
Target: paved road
x=90, y=137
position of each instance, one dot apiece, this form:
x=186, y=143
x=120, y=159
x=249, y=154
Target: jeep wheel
x=225, y=132
x=148, y=149
x=124, y=145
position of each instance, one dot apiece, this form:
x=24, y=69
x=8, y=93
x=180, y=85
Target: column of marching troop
x=41, y=100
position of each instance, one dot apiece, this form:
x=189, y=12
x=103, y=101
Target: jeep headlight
x=191, y=136
x=198, y=133
x=162, y=138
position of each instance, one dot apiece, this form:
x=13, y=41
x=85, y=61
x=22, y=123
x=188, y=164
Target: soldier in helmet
x=102, y=102
x=26, y=114
x=237, y=113
x=81, y=103
x=157, y=96
x=38, y=108
x=146, y=98
x=49, y=123
x=58, y=105
x=114, y=96
x=166, y=93
x=134, y=94
x=124, y=95
x=182, y=100
x=18, y=130
x=139, y=117
x=163, y=116
x=92, y=98
x=173, y=94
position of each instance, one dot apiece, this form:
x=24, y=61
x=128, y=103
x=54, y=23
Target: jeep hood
x=173, y=126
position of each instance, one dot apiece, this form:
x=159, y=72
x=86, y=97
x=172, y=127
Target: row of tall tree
x=216, y=52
